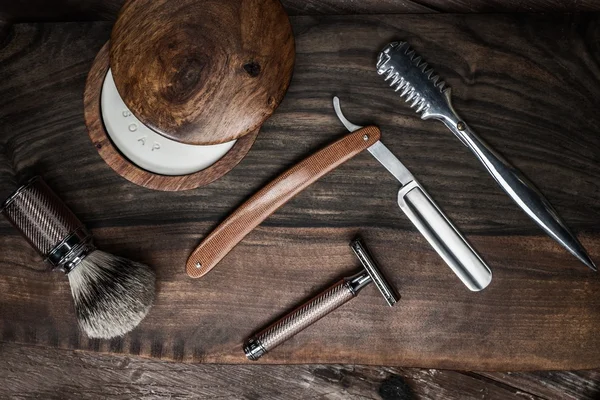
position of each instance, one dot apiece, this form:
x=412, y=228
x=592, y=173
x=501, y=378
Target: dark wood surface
x=43, y=373
x=202, y=72
x=528, y=84
x=92, y=10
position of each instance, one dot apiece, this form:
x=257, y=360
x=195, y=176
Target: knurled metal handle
x=299, y=319
x=46, y=222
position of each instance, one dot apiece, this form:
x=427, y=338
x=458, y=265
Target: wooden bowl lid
x=202, y=71
x=130, y=171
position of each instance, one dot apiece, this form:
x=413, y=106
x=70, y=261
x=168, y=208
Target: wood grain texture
x=528, y=84
x=130, y=171
x=274, y=195
x=91, y=10
x=35, y=372
x=202, y=72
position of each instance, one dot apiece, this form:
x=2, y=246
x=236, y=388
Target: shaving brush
x=112, y=294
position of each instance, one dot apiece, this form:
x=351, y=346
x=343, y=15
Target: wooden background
x=70, y=10
x=42, y=373
x=544, y=82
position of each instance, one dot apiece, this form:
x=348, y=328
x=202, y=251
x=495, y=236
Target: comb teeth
x=398, y=63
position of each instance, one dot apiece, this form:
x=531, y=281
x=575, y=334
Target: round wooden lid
x=202, y=71
x=127, y=169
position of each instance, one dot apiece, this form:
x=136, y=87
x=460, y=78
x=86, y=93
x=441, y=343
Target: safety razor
x=321, y=305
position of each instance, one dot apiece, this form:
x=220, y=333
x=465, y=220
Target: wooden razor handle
x=250, y=214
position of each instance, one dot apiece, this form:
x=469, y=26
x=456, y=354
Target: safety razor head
x=416, y=82
x=371, y=267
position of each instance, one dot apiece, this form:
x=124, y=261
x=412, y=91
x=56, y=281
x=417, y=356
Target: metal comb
x=429, y=96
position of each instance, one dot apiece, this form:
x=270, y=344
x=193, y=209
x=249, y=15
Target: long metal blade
x=428, y=218
x=391, y=163
x=378, y=149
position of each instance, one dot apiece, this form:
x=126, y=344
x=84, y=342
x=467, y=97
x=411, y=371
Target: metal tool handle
x=304, y=316
x=278, y=192
x=48, y=224
x=443, y=236
x=521, y=190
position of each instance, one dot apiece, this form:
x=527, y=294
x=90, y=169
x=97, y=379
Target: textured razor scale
x=304, y=316
x=409, y=75
x=112, y=294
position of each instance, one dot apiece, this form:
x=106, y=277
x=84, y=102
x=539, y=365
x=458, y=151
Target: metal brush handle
x=305, y=315
x=48, y=224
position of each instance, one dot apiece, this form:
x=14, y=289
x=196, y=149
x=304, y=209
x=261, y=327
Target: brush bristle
x=408, y=74
x=112, y=294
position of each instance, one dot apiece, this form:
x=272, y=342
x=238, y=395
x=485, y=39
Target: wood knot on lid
x=252, y=68
x=183, y=67
x=184, y=81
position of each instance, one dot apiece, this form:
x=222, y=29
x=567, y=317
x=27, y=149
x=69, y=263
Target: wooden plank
x=316, y=7
x=93, y=10
x=528, y=84
x=564, y=385
x=37, y=372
